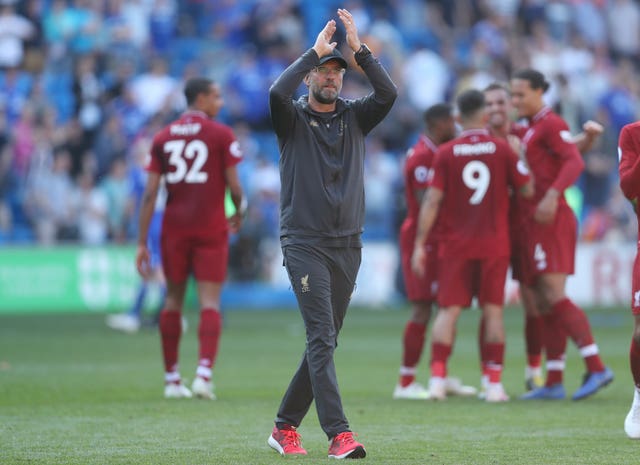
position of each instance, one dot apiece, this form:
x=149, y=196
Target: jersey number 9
x=476, y=176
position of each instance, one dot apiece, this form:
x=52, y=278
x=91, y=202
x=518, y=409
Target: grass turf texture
x=74, y=392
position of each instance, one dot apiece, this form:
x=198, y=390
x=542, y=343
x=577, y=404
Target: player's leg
x=420, y=292
x=632, y=420
x=489, y=279
x=455, y=292
x=533, y=337
x=175, y=264
x=170, y=327
x=209, y=264
x=413, y=340
x=574, y=322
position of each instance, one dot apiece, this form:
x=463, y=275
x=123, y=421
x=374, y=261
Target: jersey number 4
x=476, y=176
x=179, y=152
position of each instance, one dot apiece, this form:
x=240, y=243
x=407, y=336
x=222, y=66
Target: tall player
x=472, y=177
x=551, y=234
x=198, y=159
x=500, y=110
x=421, y=291
x=629, y=153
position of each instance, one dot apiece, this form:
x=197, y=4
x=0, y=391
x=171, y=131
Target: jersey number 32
x=179, y=152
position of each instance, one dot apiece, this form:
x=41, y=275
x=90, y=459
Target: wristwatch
x=362, y=51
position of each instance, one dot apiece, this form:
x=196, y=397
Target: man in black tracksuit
x=322, y=146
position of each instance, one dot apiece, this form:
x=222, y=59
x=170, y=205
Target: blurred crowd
x=84, y=85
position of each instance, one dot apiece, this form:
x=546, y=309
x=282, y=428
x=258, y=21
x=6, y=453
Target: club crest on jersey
x=304, y=284
x=566, y=136
x=421, y=174
x=314, y=124
x=636, y=299
x=235, y=150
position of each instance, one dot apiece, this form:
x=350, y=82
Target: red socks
x=170, y=326
x=413, y=343
x=533, y=338
x=494, y=361
x=208, y=336
x=439, y=356
x=634, y=362
x=575, y=323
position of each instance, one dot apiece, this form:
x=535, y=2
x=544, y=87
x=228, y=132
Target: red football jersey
x=553, y=158
x=192, y=153
x=475, y=172
x=629, y=168
x=418, y=170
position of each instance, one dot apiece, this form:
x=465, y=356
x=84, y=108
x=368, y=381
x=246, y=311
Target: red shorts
x=419, y=289
x=635, y=286
x=550, y=248
x=206, y=258
x=461, y=279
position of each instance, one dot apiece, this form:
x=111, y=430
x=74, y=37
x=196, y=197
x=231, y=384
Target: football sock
x=482, y=347
x=439, y=356
x=495, y=359
x=136, y=310
x=576, y=325
x=208, y=337
x=634, y=362
x=170, y=325
x=413, y=343
x=533, y=328
x=555, y=342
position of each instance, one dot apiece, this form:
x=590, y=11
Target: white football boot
x=202, y=389
x=632, y=422
x=177, y=391
x=123, y=322
x=495, y=393
x=413, y=391
x=438, y=388
x=456, y=388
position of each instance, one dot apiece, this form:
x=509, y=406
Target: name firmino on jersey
x=484, y=148
x=185, y=129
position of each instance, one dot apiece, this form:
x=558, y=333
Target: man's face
x=525, y=99
x=325, y=81
x=498, y=107
x=214, y=101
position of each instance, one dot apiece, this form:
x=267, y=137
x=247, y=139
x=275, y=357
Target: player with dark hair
x=422, y=290
x=470, y=189
x=550, y=238
x=501, y=124
x=197, y=157
x=629, y=168
x=322, y=147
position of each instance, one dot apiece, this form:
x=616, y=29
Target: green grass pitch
x=74, y=392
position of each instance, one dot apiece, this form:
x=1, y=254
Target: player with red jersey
x=470, y=188
x=629, y=168
x=421, y=290
x=551, y=233
x=498, y=104
x=197, y=157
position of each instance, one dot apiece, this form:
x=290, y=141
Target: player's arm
x=560, y=142
x=428, y=213
x=629, y=163
x=237, y=197
x=147, y=208
x=591, y=130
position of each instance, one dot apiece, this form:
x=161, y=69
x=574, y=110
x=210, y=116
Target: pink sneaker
x=286, y=441
x=344, y=446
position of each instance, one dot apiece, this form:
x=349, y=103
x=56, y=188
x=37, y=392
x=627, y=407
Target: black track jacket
x=322, y=155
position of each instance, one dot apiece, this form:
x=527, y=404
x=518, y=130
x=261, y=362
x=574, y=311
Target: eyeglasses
x=325, y=70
